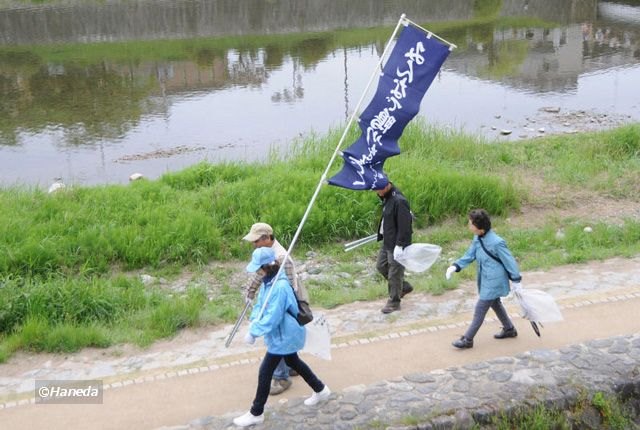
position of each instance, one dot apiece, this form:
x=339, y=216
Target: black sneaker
x=406, y=289
x=463, y=343
x=390, y=307
x=503, y=334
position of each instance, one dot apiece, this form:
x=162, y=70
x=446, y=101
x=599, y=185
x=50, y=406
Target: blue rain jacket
x=492, y=278
x=282, y=333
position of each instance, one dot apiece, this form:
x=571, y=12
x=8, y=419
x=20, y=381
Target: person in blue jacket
x=283, y=336
x=495, y=267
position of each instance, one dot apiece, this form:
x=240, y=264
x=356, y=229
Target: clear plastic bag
x=418, y=257
x=318, y=338
x=537, y=305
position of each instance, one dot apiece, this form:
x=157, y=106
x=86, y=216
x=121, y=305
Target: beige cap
x=258, y=230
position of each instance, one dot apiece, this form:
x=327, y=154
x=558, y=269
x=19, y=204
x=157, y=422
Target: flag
x=412, y=65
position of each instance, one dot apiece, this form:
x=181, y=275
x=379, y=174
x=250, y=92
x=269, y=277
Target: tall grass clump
x=168, y=316
x=67, y=314
x=37, y=334
x=79, y=301
x=614, y=413
x=623, y=143
x=89, y=230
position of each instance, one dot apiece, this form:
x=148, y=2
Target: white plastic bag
x=418, y=257
x=318, y=339
x=537, y=305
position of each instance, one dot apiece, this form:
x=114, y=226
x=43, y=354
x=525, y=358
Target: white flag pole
x=334, y=155
x=429, y=34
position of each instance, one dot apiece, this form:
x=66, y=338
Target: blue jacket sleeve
x=509, y=261
x=255, y=311
x=273, y=313
x=468, y=257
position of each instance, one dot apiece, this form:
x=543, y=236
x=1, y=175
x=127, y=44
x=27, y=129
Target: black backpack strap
x=495, y=258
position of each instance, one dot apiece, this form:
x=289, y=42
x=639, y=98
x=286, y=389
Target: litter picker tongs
x=356, y=243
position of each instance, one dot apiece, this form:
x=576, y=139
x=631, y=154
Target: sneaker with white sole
x=279, y=386
x=318, y=397
x=248, y=419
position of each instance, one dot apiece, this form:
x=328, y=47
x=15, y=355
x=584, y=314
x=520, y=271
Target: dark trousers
x=482, y=307
x=392, y=271
x=269, y=364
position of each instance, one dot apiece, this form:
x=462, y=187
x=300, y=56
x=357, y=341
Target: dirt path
x=181, y=399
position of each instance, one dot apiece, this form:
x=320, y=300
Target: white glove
x=397, y=252
x=516, y=286
x=249, y=339
x=450, y=271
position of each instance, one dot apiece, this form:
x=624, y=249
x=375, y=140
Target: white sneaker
x=248, y=419
x=318, y=397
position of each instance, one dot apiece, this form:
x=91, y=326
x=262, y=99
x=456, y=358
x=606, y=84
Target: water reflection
x=163, y=93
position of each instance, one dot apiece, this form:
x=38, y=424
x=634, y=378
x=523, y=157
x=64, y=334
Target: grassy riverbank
x=70, y=261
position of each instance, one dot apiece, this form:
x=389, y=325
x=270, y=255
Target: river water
x=92, y=92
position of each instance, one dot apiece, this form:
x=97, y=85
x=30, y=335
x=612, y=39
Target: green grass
x=540, y=418
x=66, y=315
x=199, y=214
x=69, y=261
x=615, y=415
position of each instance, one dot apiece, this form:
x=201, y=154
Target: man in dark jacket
x=394, y=230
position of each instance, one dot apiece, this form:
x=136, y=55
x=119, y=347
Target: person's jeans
x=269, y=364
x=482, y=307
x=282, y=371
x=392, y=271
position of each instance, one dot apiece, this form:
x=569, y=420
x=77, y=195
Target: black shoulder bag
x=305, y=316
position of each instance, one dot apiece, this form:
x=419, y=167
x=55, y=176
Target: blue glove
x=249, y=339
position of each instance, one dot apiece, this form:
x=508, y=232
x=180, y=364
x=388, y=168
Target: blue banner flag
x=412, y=65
